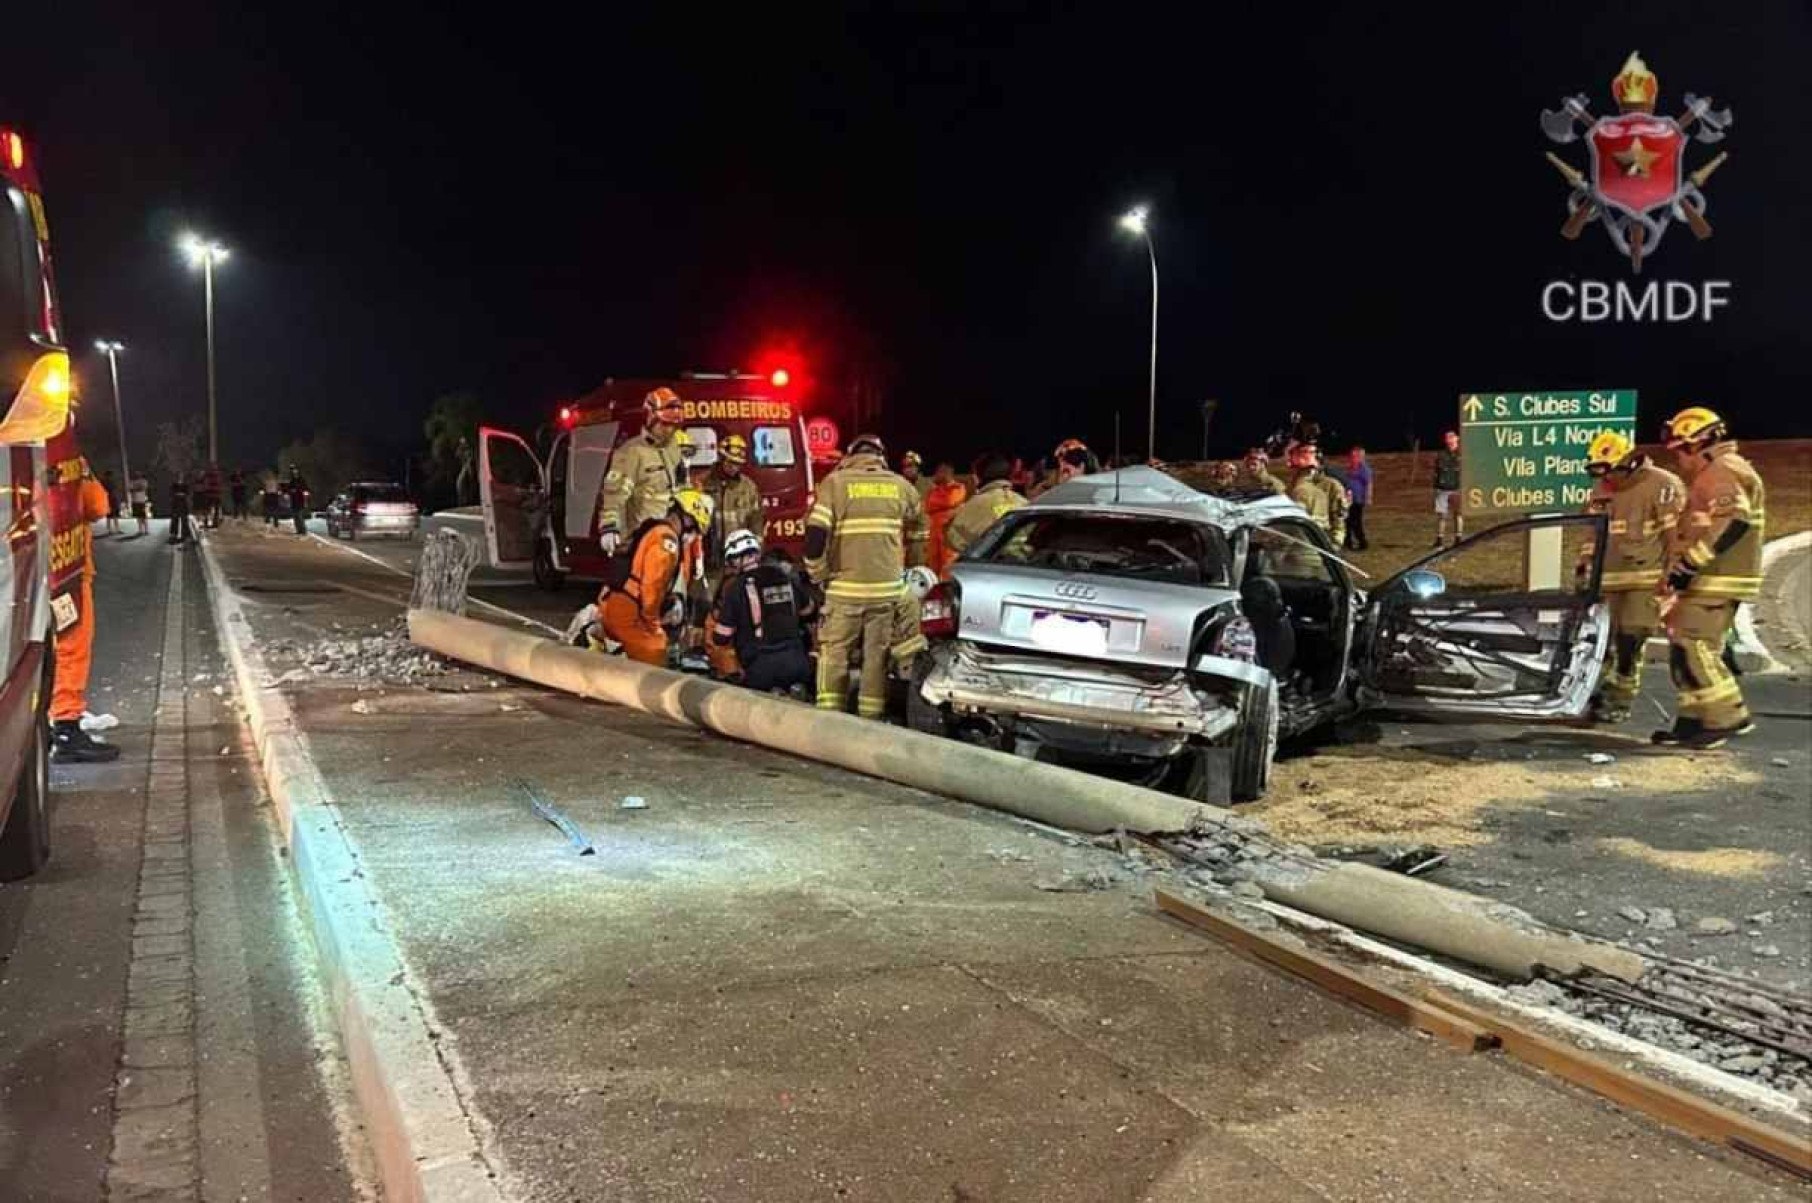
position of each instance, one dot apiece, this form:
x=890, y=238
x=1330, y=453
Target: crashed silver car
x=1127, y=622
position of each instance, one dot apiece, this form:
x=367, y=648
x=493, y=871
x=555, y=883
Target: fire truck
x=35, y=388
x=541, y=511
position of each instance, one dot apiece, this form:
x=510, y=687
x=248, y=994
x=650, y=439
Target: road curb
x=428, y=1144
x=1752, y=654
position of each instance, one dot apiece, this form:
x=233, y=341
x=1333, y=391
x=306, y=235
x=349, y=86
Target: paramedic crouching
x=762, y=613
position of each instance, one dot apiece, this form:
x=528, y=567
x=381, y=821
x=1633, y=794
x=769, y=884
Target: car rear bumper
x=386, y=524
x=971, y=682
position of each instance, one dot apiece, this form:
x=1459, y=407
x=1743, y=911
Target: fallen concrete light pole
x=1453, y=924
x=1038, y=791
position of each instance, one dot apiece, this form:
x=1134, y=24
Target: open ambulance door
x=512, y=488
x=588, y=459
x=1470, y=632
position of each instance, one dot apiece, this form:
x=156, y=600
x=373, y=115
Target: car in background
x=35, y=389
x=1128, y=623
x=373, y=508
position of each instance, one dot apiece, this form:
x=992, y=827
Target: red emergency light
x=568, y=415
x=15, y=150
x=780, y=378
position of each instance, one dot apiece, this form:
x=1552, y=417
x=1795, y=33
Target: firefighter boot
x=72, y=745
x=1683, y=729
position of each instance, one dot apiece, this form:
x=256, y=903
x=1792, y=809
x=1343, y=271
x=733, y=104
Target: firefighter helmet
x=687, y=448
x=1305, y=455
x=1693, y=428
x=919, y=580
x=869, y=443
x=735, y=449
x=664, y=405
x=694, y=504
x=1608, y=450
x=741, y=543
x=912, y=459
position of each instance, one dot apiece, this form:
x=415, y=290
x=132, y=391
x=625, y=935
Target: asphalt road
x=238, y=1093
x=1553, y=858
x=776, y=980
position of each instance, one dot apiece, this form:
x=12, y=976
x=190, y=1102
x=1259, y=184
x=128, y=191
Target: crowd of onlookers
x=206, y=496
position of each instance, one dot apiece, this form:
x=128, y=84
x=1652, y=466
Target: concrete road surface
x=774, y=980
x=160, y=1024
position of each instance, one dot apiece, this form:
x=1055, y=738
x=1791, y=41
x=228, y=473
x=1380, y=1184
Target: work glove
x=607, y=542
x=1680, y=576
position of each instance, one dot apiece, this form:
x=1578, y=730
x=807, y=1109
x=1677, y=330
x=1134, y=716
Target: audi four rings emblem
x=1075, y=590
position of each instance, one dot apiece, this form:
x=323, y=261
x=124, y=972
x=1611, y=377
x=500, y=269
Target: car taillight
x=1237, y=640
x=939, y=611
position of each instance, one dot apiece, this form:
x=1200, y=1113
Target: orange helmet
x=664, y=405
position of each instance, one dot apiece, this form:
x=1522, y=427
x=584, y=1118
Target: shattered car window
x=1154, y=549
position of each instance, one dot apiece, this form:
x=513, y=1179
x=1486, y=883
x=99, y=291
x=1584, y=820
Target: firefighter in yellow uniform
x=994, y=498
x=912, y=467
x=1641, y=503
x=867, y=525
x=1320, y=495
x=643, y=473
x=1255, y=474
x=1715, y=565
x=737, y=496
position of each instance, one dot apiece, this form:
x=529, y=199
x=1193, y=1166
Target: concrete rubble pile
x=1782, y=1071
x=383, y=657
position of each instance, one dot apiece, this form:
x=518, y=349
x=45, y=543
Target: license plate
x=1070, y=635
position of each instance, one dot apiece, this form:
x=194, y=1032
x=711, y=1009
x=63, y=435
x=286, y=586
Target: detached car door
x=1468, y=632
x=512, y=488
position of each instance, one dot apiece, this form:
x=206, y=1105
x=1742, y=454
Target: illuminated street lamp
x=205, y=253
x=111, y=349
x=1135, y=222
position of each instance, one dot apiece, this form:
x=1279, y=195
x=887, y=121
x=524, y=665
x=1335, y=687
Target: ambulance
x=541, y=510
x=35, y=392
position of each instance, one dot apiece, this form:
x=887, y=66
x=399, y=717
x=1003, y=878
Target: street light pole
x=205, y=253
x=111, y=349
x=1137, y=222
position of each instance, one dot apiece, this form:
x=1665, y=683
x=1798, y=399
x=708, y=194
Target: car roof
x=1143, y=490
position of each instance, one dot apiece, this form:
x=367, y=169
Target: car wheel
x=25, y=843
x=547, y=576
x=920, y=714
x=1255, y=743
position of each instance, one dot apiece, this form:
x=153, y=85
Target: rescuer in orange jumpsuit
x=636, y=602
x=75, y=643
x=946, y=497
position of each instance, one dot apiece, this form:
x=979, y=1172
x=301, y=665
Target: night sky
x=1352, y=215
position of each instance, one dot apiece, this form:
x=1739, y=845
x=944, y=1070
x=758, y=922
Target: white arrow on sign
x=1472, y=407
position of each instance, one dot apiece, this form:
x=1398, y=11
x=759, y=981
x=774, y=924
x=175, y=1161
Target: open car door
x=512, y=487
x=1464, y=632
x=592, y=445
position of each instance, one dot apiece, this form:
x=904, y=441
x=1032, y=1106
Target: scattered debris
x=509, y=707
x=1661, y=918
x=1761, y=918
x=1781, y=762
x=1600, y=758
x=1079, y=883
x=1712, y=925
x=386, y=657
x=633, y=802
x=1606, y=783
x=362, y=707
x=98, y=722
x=1634, y=914
x=1768, y=951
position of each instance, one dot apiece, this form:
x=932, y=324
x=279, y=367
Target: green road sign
x=1526, y=452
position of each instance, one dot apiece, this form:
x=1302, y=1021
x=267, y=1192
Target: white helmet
x=919, y=580
x=741, y=543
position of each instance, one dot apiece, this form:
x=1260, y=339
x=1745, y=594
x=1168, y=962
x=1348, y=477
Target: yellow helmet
x=1694, y=427
x=734, y=449
x=683, y=441
x=1608, y=450
x=694, y=504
